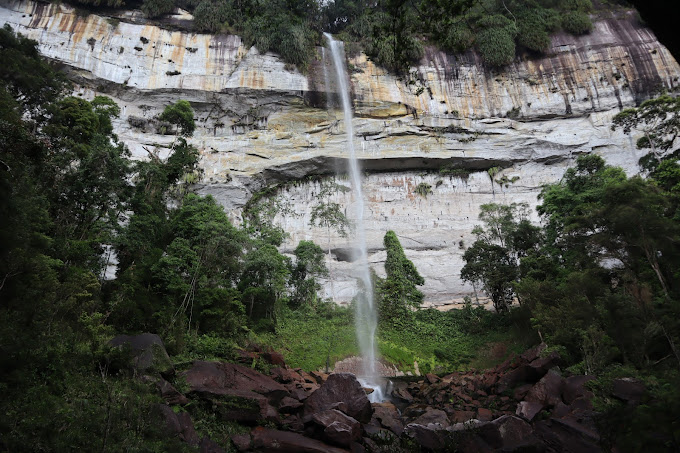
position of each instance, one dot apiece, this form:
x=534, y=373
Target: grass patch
x=310, y=338
x=440, y=342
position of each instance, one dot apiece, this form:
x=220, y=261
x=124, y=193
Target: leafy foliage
x=181, y=115
x=496, y=40
x=493, y=259
x=659, y=121
x=577, y=22
x=397, y=292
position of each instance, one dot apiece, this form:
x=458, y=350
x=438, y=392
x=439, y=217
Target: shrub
x=534, y=26
x=156, y=8
x=496, y=42
x=577, y=22
x=458, y=37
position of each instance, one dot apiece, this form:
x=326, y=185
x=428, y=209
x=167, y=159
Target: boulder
x=463, y=416
x=533, y=353
x=271, y=440
x=521, y=391
x=433, y=417
x=285, y=375
x=429, y=437
x=506, y=432
x=241, y=441
x=431, y=378
x=402, y=394
x=628, y=389
x=484, y=414
x=567, y=436
x=170, y=393
x=179, y=425
x=512, y=378
x=207, y=445
x=289, y=404
x=548, y=390
x=541, y=365
x=336, y=427
x=220, y=378
x=341, y=391
x=528, y=409
x=574, y=387
x=275, y=358
x=147, y=351
x=387, y=416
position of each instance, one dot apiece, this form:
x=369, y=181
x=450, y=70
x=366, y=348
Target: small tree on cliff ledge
x=398, y=292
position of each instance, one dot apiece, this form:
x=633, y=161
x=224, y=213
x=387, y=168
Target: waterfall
x=365, y=316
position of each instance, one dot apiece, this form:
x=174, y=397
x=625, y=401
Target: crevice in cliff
x=326, y=165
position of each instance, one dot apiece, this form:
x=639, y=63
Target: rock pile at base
x=522, y=405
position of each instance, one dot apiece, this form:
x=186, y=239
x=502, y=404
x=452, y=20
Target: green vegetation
x=69, y=195
x=397, y=293
x=599, y=282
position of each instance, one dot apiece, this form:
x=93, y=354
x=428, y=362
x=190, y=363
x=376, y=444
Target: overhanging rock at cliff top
x=260, y=123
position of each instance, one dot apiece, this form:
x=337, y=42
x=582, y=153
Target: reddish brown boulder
x=319, y=377
x=285, y=375
x=207, y=445
x=170, y=394
x=297, y=392
x=220, y=378
x=289, y=404
x=528, y=410
x=336, y=427
x=428, y=437
x=463, y=416
x=340, y=391
x=567, y=436
x=403, y=394
x=179, y=425
x=533, y=353
x=270, y=440
x=473, y=444
x=521, y=391
x=484, y=414
x=541, y=365
x=241, y=441
x=246, y=357
x=433, y=416
x=431, y=378
x=628, y=390
x=506, y=432
x=548, y=390
x=387, y=416
x=574, y=387
x=514, y=377
x=274, y=358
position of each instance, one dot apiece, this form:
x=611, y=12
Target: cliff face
x=261, y=122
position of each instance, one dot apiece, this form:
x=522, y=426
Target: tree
x=263, y=282
x=659, y=121
x=611, y=255
x=308, y=266
x=328, y=214
x=398, y=294
x=181, y=115
x=493, y=259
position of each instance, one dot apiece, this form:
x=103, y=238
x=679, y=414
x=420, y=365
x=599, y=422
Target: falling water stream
x=365, y=318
